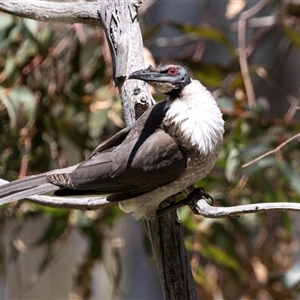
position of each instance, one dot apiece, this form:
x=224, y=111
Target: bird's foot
x=196, y=195
x=190, y=200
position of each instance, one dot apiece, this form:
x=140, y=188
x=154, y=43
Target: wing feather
x=154, y=164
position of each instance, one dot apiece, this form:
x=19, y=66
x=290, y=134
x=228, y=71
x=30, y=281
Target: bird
x=171, y=146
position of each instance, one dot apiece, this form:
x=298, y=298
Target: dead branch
x=271, y=151
x=242, y=50
x=58, y=12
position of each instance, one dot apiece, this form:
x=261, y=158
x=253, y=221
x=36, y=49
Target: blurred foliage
x=253, y=256
x=57, y=102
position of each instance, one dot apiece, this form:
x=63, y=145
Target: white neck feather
x=196, y=115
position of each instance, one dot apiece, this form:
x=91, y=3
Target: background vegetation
x=57, y=102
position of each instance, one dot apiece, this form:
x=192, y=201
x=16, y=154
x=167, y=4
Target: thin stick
x=272, y=151
x=242, y=49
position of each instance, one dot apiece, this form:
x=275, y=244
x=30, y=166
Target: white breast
x=198, y=116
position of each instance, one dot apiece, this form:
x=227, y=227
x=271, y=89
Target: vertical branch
x=242, y=48
x=119, y=19
x=166, y=234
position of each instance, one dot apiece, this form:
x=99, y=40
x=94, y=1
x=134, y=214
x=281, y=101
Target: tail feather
x=23, y=194
x=22, y=184
x=29, y=186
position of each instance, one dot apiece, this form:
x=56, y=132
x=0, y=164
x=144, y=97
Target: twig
x=293, y=108
x=242, y=48
x=272, y=151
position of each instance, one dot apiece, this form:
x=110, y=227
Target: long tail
x=29, y=186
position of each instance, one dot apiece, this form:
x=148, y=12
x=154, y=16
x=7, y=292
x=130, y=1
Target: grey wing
x=136, y=160
x=127, y=171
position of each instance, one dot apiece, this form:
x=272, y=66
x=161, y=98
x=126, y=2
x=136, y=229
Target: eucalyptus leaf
x=292, y=276
x=9, y=106
x=293, y=35
x=218, y=255
x=291, y=174
x=25, y=105
x=232, y=164
x=205, y=32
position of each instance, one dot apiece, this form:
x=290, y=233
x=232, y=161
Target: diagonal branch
x=271, y=151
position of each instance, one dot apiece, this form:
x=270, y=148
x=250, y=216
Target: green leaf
x=206, y=32
x=291, y=175
x=219, y=256
x=292, y=276
x=10, y=68
x=27, y=50
x=55, y=229
x=209, y=75
x=9, y=106
x=232, y=164
x=95, y=238
x=294, y=9
x=6, y=21
x=293, y=36
x=24, y=104
x=287, y=223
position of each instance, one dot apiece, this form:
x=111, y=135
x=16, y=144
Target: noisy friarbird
x=174, y=144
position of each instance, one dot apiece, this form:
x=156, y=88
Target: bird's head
x=165, y=79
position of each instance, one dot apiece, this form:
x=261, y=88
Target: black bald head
x=165, y=79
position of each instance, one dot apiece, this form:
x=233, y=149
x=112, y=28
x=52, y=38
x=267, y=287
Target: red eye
x=172, y=71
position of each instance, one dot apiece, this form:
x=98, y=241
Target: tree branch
x=271, y=151
x=242, y=48
x=197, y=200
x=69, y=13
x=81, y=203
x=208, y=211
x=167, y=240
x=119, y=20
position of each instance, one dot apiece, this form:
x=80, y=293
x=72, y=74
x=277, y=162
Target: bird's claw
x=199, y=193
x=191, y=200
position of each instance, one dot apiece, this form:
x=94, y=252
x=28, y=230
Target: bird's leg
x=193, y=197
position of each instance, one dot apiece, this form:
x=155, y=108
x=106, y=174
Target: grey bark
x=67, y=13
x=119, y=19
x=166, y=235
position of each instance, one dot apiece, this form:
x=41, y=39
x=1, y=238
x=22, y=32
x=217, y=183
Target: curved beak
x=149, y=74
